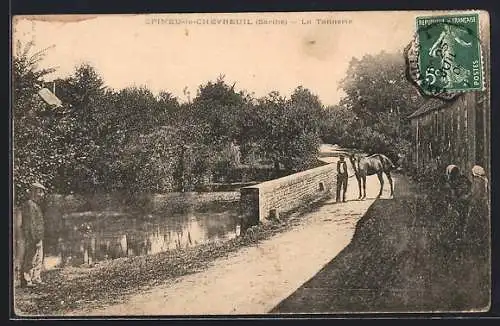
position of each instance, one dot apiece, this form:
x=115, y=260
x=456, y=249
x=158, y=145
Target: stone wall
x=282, y=195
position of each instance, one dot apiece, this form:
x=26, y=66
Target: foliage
x=150, y=162
x=286, y=131
x=26, y=74
x=133, y=140
x=379, y=95
x=337, y=125
x=377, y=84
x=86, y=97
x=37, y=128
x=133, y=120
x=108, y=122
x=216, y=109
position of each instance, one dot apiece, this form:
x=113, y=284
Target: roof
x=49, y=97
x=429, y=106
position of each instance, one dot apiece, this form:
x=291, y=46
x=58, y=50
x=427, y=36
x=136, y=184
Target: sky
x=164, y=53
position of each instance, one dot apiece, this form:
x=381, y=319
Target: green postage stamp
x=449, y=54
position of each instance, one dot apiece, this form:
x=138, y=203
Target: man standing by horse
x=341, y=178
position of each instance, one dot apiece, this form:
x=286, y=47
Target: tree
x=377, y=83
x=88, y=100
x=147, y=142
x=38, y=129
x=337, y=124
x=170, y=107
x=106, y=123
x=217, y=109
x=27, y=76
x=287, y=131
x=378, y=92
x=149, y=162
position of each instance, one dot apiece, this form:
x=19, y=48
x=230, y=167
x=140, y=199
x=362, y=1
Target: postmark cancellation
x=444, y=59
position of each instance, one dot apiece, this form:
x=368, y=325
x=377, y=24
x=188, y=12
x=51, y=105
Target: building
x=456, y=132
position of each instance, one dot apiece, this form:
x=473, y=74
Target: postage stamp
x=449, y=54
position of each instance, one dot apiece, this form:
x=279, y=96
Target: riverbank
x=254, y=279
x=111, y=282
x=246, y=275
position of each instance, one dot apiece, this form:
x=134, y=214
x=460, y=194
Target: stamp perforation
x=442, y=71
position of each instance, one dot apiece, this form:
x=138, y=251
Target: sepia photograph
x=268, y=164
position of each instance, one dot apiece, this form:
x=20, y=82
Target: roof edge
x=425, y=110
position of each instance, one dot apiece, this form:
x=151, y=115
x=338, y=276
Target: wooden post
x=417, y=141
x=471, y=120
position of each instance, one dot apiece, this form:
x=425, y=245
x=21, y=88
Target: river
x=91, y=240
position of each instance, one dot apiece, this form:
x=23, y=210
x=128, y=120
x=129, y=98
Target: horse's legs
x=381, y=179
x=359, y=186
x=388, y=174
x=364, y=186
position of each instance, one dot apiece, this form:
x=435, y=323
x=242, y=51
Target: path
x=254, y=280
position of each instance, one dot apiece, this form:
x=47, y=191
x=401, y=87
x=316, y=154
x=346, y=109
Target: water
x=91, y=240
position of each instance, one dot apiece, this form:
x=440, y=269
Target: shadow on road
x=395, y=263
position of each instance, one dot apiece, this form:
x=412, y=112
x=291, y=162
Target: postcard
x=263, y=164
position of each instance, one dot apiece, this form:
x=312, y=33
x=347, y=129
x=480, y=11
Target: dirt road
x=254, y=280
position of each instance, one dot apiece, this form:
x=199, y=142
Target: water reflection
x=93, y=240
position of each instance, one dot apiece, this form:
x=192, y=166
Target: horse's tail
x=386, y=162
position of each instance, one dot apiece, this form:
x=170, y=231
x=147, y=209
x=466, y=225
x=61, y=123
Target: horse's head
x=355, y=160
x=352, y=158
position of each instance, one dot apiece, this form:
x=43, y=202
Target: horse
x=370, y=165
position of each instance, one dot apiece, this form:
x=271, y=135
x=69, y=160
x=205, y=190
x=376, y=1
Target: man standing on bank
x=33, y=229
x=341, y=178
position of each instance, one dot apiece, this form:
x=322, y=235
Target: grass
x=404, y=257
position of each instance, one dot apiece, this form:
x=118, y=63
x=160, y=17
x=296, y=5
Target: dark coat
x=33, y=224
x=342, y=168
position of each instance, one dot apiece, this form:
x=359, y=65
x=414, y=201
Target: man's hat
x=451, y=169
x=478, y=171
x=38, y=185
